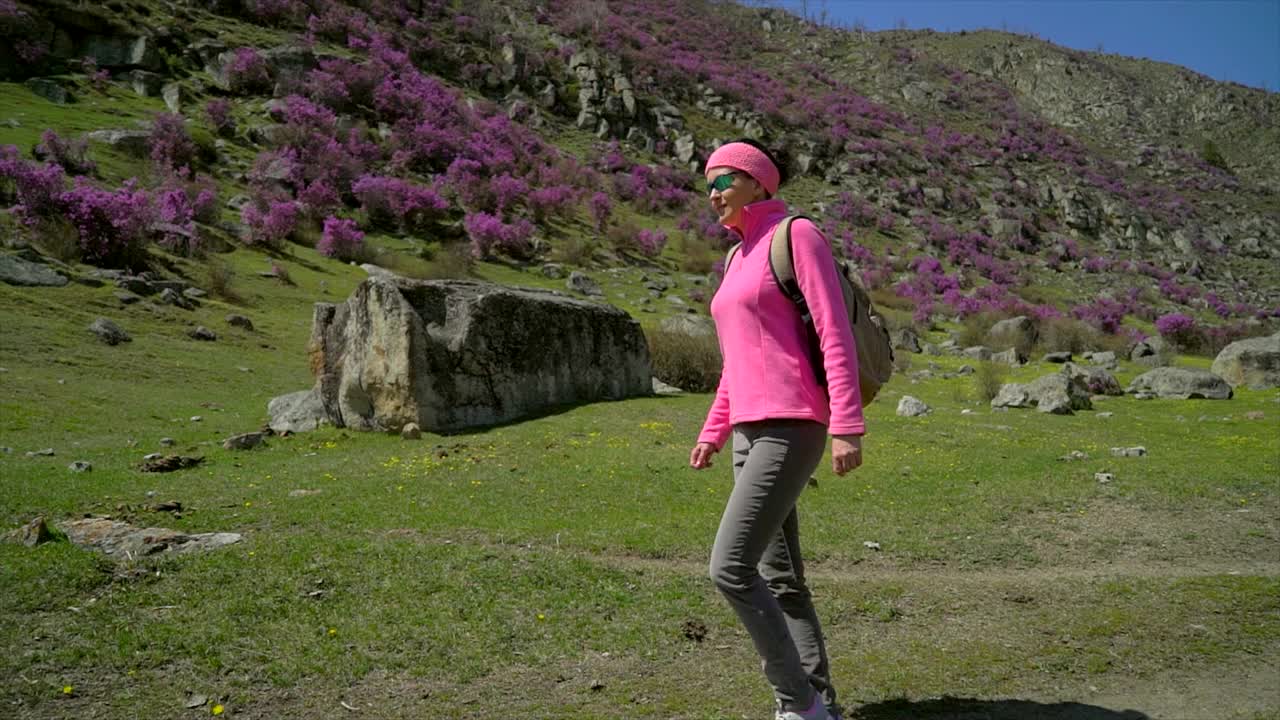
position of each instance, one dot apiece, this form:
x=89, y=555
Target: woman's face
x=729, y=201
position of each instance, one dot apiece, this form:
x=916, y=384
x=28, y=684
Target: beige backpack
x=875, y=352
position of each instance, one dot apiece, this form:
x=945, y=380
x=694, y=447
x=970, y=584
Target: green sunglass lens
x=721, y=183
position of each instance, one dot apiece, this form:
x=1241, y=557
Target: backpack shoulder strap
x=730, y=255
x=783, y=266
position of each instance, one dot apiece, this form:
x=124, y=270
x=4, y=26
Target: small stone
x=909, y=406
x=303, y=493
x=202, y=333
x=6, y=450
x=246, y=441
x=167, y=442
x=197, y=418
x=1105, y=414
x=410, y=431
x=1129, y=452
x=966, y=411
x=108, y=332
x=1104, y=477
x=152, y=456
x=1255, y=415
x=244, y=369
x=871, y=545
x=47, y=452
x=240, y=321
x=80, y=466
x=1058, y=357
x=1073, y=456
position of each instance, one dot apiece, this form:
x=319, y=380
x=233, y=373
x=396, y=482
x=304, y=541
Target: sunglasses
x=721, y=183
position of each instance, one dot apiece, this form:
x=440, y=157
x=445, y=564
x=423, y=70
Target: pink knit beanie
x=741, y=156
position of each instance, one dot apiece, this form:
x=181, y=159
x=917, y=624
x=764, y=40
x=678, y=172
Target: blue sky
x=1236, y=40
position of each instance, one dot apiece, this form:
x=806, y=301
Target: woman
x=778, y=414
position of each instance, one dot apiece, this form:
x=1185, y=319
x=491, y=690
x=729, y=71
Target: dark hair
x=783, y=173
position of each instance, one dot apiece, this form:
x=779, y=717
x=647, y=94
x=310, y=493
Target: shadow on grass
x=952, y=708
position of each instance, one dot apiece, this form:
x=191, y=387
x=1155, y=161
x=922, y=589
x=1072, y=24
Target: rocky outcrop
x=1059, y=394
x=1180, y=384
x=1254, y=363
x=450, y=355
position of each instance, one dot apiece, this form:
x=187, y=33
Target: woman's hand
x=846, y=453
x=700, y=457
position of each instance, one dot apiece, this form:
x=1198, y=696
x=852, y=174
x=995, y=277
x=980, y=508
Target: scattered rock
x=167, y=442
x=80, y=466
x=977, y=352
x=871, y=545
x=127, y=298
x=1057, y=357
x=168, y=463
x=1074, y=455
x=1254, y=362
x=1106, y=414
x=245, y=441
x=202, y=333
x=32, y=534
x=303, y=493
x=1255, y=415
x=1059, y=394
x=965, y=370
x=1180, y=384
x=554, y=271
x=135, y=143
x=47, y=452
x=580, y=282
x=197, y=418
x=411, y=431
x=1104, y=477
x=909, y=406
x=1020, y=331
x=1103, y=359
x=297, y=412
x=906, y=339
x=109, y=332
x=240, y=321
x=121, y=540
x=1098, y=380
x=661, y=388
x=50, y=90
x=1138, y=451
x=24, y=273
x=1009, y=357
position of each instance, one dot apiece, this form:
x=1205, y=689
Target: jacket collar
x=759, y=217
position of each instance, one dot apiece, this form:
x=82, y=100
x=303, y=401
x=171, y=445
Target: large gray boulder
x=17, y=271
x=1019, y=331
x=454, y=354
x=1254, y=363
x=1060, y=394
x=1180, y=384
x=301, y=411
x=1098, y=380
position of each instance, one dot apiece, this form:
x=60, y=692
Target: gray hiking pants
x=756, y=560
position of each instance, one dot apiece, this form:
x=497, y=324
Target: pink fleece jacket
x=767, y=372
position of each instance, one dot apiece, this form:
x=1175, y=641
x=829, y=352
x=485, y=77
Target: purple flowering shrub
x=650, y=243
x=172, y=149
x=601, y=208
x=218, y=113
x=269, y=222
x=111, y=225
x=248, y=73
x=390, y=202
x=175, y=223
x=341, y=238
x=37, y=188
x=70, y=155
x=489, y=234
x=1181, y=330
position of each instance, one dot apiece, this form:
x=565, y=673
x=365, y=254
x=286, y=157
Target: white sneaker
x=816, y=711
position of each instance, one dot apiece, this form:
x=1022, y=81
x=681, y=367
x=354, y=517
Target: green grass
x=512, y=569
